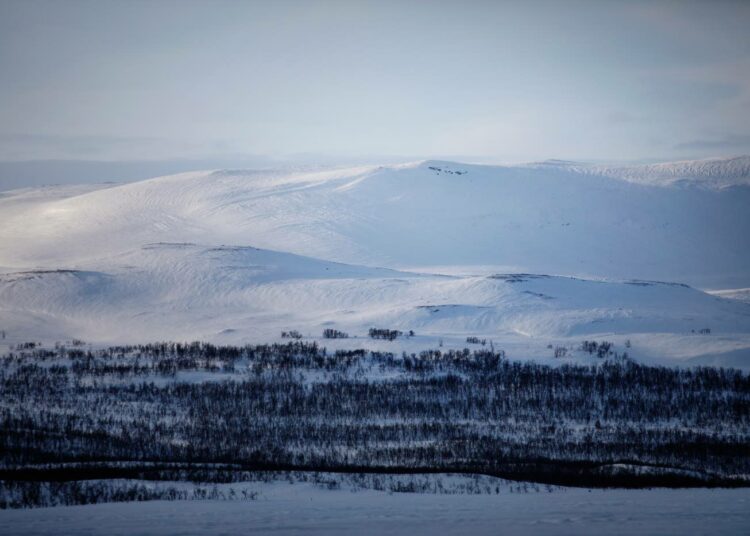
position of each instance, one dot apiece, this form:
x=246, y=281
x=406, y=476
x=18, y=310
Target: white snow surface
x=741, y=294
x=239, y=256
x=286, y=509
x=711, y=173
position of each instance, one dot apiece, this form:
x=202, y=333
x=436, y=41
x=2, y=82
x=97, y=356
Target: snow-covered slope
x=514, y=219
x=175, y=258
x=711, y=173
x=717, y=173
x=740, y=294
x=236, y=294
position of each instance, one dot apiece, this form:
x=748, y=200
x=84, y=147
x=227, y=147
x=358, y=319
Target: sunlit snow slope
x=175, y=257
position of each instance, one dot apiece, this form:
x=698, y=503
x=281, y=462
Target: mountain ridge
x=711, y=173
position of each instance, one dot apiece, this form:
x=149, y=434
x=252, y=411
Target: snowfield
x=178, y=257
x=551, y=220
x=287, y=509
x=711, y=173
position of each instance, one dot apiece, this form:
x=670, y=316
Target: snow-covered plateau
x=531, y=257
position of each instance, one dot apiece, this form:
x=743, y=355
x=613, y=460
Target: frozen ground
x=283, y=508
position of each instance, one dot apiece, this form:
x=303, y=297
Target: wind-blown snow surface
x=171, y=258
x=711, y=173
x=285, y=509
x=539, y=220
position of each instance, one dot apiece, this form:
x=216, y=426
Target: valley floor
x=284, y=509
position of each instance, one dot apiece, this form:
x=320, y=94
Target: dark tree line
x=297, y=406
x=601, y=349
x=30, y=494
x=330, y=333
x=387, y=334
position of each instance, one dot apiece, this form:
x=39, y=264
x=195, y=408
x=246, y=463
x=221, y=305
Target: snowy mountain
x=243, y=255
x=711, y=173
x=420, y=215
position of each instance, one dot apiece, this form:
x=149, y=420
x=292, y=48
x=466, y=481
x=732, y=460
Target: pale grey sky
x=491, y=80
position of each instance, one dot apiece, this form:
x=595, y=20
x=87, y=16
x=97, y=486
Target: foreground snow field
x=286, y=509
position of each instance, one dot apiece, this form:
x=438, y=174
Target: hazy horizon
x=490, y=82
